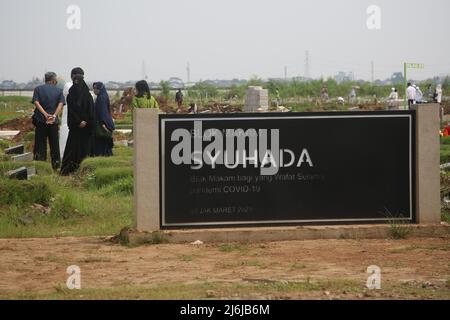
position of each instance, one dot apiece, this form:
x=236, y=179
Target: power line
x=188, y=71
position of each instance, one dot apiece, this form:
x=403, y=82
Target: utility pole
x=307, y=71
x=372, y=71
x=285, y=73
x=188, y=72
x=144, y=71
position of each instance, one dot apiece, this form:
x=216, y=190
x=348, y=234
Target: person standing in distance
x=179, y=99
x=411, y=95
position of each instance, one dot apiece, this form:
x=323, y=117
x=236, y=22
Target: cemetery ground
x=50, y=222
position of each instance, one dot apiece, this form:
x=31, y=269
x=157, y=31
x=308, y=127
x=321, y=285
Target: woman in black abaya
x=81, y=122
x=103, y=142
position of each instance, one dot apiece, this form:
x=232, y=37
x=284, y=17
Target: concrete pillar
x=256, y=97
x=428, y=202
x=146, y=169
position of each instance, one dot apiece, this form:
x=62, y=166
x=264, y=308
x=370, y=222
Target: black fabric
x=44, y=132
x=103, y=107
x=76, y=71
x=103, y=147
x=179, y=96
x=80, y=106
x=80, y=141
x=103, y=142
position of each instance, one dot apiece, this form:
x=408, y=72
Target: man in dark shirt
x=48, y=100
x=179, y=99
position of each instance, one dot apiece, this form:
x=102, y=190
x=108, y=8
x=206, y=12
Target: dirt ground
x=317, y=269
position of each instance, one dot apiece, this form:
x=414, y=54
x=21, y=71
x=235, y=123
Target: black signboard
x=289, y=168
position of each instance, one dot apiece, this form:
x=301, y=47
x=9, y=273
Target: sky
x=222, y=39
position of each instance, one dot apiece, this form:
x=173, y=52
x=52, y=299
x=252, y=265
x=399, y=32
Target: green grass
x=399, y=230
x=73, y=213
x=127, y=120
x=42, y=168
x=297, y=266
x=4, y=144
x=445, y=153
x=92, y=164
x=201, y=290
x=5, y=116
x=186, y=258
x=230, y=247
x=29, y=136
x=119, y=187
x=445, y=140
x=14, y=103
x=238, y=290
x=95, y=202
x=445, y=216
x=115, y=178
x=19, y=193
x=15, y=99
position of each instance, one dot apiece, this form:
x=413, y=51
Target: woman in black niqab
x=81, y=123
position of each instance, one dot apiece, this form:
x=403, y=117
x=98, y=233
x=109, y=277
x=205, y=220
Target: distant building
x=7, y=85
x=344, y=77
x=176, y=83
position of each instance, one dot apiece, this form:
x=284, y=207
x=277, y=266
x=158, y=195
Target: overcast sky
x=222, y=39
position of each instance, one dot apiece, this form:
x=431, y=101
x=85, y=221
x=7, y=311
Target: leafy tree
x=165, y=88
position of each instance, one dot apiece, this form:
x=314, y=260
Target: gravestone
x=256, y=98
x=31, y=172
x=26, y=157
x=121, y=143
x=19, y=149
x=19, y=174
x=8, y=134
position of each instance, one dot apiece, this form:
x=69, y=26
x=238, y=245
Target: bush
x=15, y=192
x=123, y=153
x=4, y=144
x=67, y=205
x=122, y=187
x=107, y=176
x=29, y=136
x=445, y=153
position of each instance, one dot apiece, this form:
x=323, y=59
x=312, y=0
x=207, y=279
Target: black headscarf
x=80, y=105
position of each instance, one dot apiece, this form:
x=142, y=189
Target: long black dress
x=79, y=143
x=103, y=146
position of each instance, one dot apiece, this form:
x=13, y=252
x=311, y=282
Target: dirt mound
x=124, y=103
x=23, y=124
x=446, y=106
